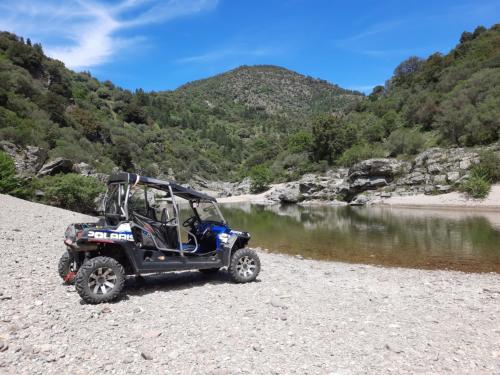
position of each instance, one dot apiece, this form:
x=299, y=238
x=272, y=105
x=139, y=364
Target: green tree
x=331, y=137
x=261, y=177
x=301, y=141
x=405, y=141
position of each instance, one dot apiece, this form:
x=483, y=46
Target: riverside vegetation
x=262, y=122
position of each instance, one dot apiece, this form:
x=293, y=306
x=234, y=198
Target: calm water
x=446, y=239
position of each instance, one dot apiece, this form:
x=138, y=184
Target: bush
x=261, y=177
x=490, y=165
x=71, y=191
x=9, y=182
x=301, y=141
x=405, y=141
x=478, y=185
x=359, y=152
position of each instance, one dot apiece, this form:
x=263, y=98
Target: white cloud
x=226, y=53
x=84, y=33
x=372, y=30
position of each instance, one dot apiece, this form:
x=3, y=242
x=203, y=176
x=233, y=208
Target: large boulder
x=58, y=165
x=377, y=168
x=286, y=193
x=244, y=187
x=290, y=194
x=371, y=174
x=27, y=160
x=83, y=169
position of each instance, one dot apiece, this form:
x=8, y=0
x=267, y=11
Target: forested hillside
x=264, y=120
x=446, y=100
x=218, y=128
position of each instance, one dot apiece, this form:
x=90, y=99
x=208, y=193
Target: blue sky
x=161, y=44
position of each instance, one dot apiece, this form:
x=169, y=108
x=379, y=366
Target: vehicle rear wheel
x=67, y=268
x=100, y=279
x=245, y=265
x=209, y=271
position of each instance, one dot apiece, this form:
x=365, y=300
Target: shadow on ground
x=173, y=281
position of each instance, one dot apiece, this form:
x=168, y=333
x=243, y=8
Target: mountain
x=219, y=127
x=270, y=89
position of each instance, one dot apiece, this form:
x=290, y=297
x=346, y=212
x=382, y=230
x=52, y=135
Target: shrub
x=405, y=141
x=300, y=142
x=478, y=185
x=359, y=152
x=9, y=182
x=261, y=177
x=71, y=191
x=490, y=165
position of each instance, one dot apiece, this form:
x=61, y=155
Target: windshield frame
x=195, y=204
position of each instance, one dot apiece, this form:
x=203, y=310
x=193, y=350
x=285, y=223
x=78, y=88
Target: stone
x=275, y=302
x=173, y=354
x=290, y=193
x=416, y=178
x=83, y=169
x=444, y=188
x=439, y=179
x=146, y=356
x=378, y=182
x=452, y=176
x=106, y=310
x=428, y=189
x=360, y=200
x=435, y=168
x=58, y=165
x=465, y=164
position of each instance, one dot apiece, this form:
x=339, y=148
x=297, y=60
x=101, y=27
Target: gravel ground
x=301, y=316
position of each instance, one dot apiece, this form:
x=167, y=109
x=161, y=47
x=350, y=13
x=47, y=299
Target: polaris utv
x=141, y=232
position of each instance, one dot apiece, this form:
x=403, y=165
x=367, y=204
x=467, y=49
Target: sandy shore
x=449, y=200
x=300, y=317
x=251, y=198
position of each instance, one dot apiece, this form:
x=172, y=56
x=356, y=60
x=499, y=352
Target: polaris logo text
x=111, y=236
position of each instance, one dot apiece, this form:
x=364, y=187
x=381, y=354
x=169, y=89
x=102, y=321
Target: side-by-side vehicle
x=151, y=226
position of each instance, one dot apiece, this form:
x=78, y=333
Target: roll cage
x=116, y=208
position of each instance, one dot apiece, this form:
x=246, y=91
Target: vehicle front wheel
x=245, y=265
x=67, y=268
x=101, y=279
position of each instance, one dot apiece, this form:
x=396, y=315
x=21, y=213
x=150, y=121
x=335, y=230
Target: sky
x=162, y=44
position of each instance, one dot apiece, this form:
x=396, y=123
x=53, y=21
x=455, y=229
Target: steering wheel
x=190, y=221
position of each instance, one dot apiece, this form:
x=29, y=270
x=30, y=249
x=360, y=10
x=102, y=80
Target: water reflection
x=451, y=239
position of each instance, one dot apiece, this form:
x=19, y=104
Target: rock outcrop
x=27, y=160
x=58, y=165
x=433, y=171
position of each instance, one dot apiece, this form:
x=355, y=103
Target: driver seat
x=169, y=231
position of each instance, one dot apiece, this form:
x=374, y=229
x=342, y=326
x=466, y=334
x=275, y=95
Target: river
x=416, y=238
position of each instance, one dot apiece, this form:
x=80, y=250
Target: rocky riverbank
x=436, y=171
x=429, y=179
x=301, y=316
